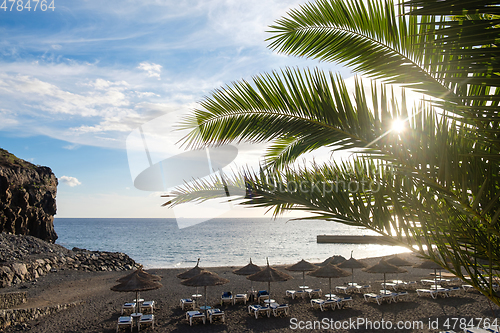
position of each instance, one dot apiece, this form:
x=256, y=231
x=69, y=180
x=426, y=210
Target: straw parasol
x=384, y=267
x=141, y=274
x=302, y=266
x=329, y=271
x=249, y=269
x=205, y=279
x=196, y=270
x=137, y=281
x=352, y=264
x=398, y=261
x=269, y=275
x=429, y=264
x=334, y=260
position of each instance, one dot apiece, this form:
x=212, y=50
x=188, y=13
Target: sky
x=93, y=90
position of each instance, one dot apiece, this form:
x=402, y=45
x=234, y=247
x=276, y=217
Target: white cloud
x=152, y=69
x=70, y=181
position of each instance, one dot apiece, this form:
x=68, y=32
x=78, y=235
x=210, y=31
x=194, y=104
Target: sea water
x=159, y=243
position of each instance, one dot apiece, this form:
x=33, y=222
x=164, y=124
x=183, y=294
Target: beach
x=96, y=308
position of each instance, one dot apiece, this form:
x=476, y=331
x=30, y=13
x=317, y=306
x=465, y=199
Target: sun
x=398, y=125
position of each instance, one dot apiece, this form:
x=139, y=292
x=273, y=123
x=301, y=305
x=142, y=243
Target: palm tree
x=434, y=187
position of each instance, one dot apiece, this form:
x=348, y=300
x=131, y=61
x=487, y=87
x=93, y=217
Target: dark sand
x=100, y=307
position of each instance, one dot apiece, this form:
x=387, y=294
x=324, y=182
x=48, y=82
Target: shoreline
x=100, y=307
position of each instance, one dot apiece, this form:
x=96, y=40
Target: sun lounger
x=128, y=306
x=125, y=320
x=300, y=293
x=467, y=287
x=453, y=290
x=389, y=285
x=364, y=288
x=226, y=297
x=277, y=308
x=402, y=295
x=190, y=315
x=215, y=313
x=344, y=302
x=146, y=319
x=262, y=295
x=433, y=292
x=291, y=293
x=345, y=289
x=240, y=297
x=148, y=305
x=258, y=309
x=314, y=292
x=187, y=302
x=379, y=298
x=317, y=302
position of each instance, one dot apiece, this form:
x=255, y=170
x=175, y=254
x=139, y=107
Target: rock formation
x=27, y=198
x=26, y=258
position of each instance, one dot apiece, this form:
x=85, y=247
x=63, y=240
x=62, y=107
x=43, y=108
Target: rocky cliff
x=27, y=198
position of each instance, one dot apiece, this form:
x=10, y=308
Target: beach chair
x=214, y=314
x=125, y=320
x=344, y=302
x=317, y=302
x=148, y=305
x=146, y=319
x=187, y=302
x=467, y=287
x=290, y=293
x=363, y=289
x=402, y=296
x=372, y=296
x=332, y=302
x=128, y=307
x=433, y=292
x=391, y=285
x=411, y=285
x=190, y=315
x=453, y=290
x=314, y=292
x=259, y=309
x=300, y=293
x=226, y=297
x=279, y=308
x=240, y=297
x=346, y=289
x=262, y=295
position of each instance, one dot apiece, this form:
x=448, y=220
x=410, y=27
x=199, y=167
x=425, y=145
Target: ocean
x=159, y=243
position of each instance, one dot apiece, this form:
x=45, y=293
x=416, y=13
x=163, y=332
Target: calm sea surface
x=159, y=243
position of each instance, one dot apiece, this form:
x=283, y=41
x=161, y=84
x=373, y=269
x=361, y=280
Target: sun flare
x=398, y=125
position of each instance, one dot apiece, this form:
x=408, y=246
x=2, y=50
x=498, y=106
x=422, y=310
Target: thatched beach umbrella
x=429, y=264
x=196, y=270
x=141, y=273
x=302, y=266
x=334, y=260
x=329, y=271
x=399, y=262
x=137, y=281
x=249, y=269
x=269, y=275
x=384, y=267
x=205, y=279
x=352, y=264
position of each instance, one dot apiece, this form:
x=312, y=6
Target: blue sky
x=77, y=81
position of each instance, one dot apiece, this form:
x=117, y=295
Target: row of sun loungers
x=211, y=313
x=266, y=309
x=129, y=321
